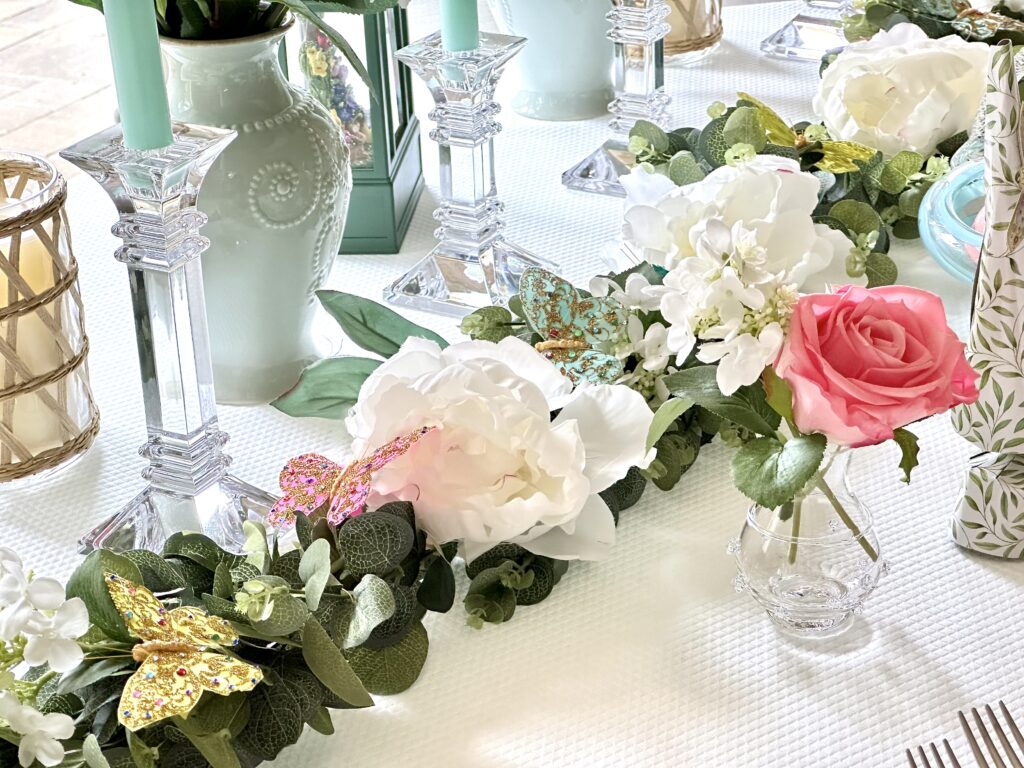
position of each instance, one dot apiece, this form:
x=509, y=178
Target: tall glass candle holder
x=189, y=488
x=638, y=29
x=473, y=265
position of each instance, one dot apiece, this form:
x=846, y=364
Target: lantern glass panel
x=321, y=68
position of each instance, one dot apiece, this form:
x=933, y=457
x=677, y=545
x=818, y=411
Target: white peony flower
x=902, y=90
x=497, y=468
x=51, y=638
x=40, y=735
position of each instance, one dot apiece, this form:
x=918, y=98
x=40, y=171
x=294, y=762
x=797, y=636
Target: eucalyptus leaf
x=374, y=604
x=684, y=169
x=394, y=669
x=199, y=549
x=437, y=590
x=880, y=270
x=743, y=126
x=896, y=174
x=859, y=218
x=257, y=553
x=286, y=567
x=374, y=542
x=92, y=754
x=771, y=473
x=321, y=722
x=89, y=583
x=652, y=134
x=287, y=615
x=326, y=661
x=92, y=671
x=328, y=388
x=711, y=146
x=625, y=492
x=315, y=570
x=373, y=326
x=407, y=612
x=157, y=574
x=274, y=721
x=143, y=755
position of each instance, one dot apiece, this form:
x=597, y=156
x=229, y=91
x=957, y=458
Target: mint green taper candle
x=138, y=76
x=460, y=26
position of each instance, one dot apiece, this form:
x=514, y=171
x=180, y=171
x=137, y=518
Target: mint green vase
x=565, y=70
x=276, y=200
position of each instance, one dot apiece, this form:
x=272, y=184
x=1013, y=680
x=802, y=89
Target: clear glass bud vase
x=813, y=563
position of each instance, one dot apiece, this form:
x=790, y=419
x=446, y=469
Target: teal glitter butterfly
x=571, y=326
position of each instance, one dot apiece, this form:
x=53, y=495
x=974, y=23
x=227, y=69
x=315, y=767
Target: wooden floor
x=55, y=79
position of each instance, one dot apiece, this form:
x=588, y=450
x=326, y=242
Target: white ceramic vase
x=565, y=70
x=276, y=201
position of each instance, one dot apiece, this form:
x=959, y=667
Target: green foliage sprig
x=938, y=18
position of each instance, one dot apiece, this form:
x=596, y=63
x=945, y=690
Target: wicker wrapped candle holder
x=696, y=30
x=47, y=413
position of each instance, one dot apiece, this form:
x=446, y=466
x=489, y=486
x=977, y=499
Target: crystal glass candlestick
x=189, y=488
x=638, y=28
x=473, y=265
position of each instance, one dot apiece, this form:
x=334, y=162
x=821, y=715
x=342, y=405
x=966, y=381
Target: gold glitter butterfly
x=175, y=667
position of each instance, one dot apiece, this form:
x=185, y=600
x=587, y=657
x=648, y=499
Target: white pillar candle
x=34, y=425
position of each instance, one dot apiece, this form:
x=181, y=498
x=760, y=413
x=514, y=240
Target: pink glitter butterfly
x=311, y=480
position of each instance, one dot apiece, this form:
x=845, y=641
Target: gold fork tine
x=978, y=756
x=1013, y=726
x=937, y=756
x=1011, y=753
x=986, y=738
x=950, y=755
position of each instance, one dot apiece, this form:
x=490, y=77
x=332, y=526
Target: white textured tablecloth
x=649, y=658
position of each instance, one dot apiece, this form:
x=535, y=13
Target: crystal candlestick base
x=638, y=29
x=810, y=35
x=473, y=264
x=189, y=488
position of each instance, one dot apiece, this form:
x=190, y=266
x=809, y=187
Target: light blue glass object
x=947, y=217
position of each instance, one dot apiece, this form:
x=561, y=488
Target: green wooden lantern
x=383, y=135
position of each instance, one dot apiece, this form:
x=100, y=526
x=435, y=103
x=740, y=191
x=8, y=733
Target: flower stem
x=797, y=504
x=847, y=520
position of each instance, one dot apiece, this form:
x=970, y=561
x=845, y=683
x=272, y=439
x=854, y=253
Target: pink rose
x=863, y=362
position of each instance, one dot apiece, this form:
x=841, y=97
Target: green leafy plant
x=328, y=622
x=228, y=19
x=938, y=18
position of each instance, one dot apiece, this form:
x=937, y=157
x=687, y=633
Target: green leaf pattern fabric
x=988, y=518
